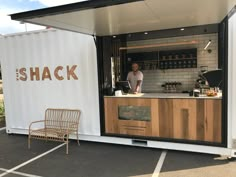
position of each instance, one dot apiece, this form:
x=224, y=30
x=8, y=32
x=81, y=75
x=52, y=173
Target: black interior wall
x=223, y=64
x=124, y=71
x=106, y=57
x=103, y=45
x=222, y=42
x=175, y=32
x=106, y=48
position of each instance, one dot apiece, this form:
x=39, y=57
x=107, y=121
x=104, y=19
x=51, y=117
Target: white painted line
x=31, y=160
x=3, y=128
x=160, y=162
x=20, y=173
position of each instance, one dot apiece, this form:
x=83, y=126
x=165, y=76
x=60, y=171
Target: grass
x=2, y=111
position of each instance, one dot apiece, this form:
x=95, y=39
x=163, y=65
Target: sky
x=8, y=26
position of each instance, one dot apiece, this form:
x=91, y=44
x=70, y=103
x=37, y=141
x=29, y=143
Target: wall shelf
x=169, y=59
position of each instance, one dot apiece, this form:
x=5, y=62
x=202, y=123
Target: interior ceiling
x=139, y=16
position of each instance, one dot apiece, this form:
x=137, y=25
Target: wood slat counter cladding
x=182, y=119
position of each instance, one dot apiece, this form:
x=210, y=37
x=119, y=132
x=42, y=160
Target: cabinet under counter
x=171, y=118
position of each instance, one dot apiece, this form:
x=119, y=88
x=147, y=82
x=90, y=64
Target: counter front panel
x=183, y=119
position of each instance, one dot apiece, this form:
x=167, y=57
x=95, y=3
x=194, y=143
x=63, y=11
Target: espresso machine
x=201, y=83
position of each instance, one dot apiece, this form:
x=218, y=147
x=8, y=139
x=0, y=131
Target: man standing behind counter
x=135, y=78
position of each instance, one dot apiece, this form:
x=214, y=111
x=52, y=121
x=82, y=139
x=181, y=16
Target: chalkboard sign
x=139, y=113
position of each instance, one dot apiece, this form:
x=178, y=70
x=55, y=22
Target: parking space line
x=20, y=173
x=1, y=171
x=160, y=162
x=31, y=160
x=3, y=128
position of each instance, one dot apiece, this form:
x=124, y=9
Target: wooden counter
x=175, y=118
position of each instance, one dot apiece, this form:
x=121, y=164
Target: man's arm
x=137, y=86
x=139, y=82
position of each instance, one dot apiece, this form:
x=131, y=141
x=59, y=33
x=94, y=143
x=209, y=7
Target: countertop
x=163, y=95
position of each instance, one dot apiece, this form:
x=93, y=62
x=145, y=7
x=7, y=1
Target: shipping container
x=32, y=81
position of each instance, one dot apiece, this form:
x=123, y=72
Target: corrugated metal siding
x=27, y=101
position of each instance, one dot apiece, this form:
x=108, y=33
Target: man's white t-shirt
x=134, y=78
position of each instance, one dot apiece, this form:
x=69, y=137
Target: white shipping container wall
x=26, y=101
x=232, y=83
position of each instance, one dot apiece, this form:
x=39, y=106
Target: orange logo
x=36, y=74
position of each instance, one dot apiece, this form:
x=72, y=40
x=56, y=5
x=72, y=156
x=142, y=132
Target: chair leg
x=77, y=135
x=28, y=142
x=67, y=151
x=67, y=144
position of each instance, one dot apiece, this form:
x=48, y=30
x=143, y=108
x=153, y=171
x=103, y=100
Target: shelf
x=194, y=58
x=155, y=60
x=145, y=61
x=178, y=68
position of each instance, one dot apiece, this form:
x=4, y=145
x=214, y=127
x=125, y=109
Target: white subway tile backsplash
x=153, y=79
